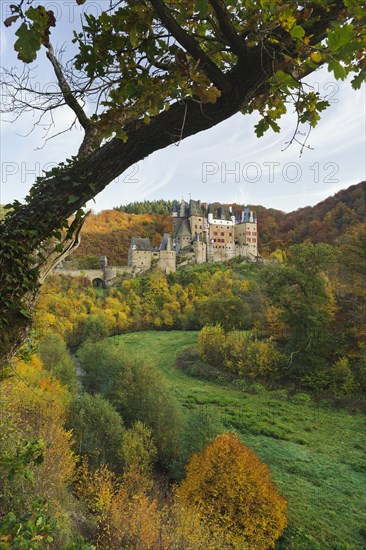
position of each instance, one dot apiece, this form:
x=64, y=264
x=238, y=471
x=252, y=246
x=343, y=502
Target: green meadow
x=316, y=453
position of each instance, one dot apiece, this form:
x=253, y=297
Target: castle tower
x=167, y=256
x=179, y=214
x=183, y=238
x=246, y=234
x=221, y=235
x=196, y=217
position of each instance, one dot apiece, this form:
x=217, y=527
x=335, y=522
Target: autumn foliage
x=109, y=232
x=234, y=491
x=239, y=352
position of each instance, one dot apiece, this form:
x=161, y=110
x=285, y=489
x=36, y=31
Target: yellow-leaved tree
x=229, y=485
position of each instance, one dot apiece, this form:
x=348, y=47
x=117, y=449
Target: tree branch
x=91, y=139
x=227, y=28
x=68, y=96
x=217, y=77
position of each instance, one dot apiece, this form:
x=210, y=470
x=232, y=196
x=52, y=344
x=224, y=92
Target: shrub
x=262, y=359
x=257, y=388
x=239, y=352
x=200, y=427
x=98, y=429
x=211, y=345
x=56, y=359
x=301, y=398
x=241, y=384
x=140, y=393
x=342, y=378
x=189, y=362
x=234, y=491
x=138, y=450
x=100, y=362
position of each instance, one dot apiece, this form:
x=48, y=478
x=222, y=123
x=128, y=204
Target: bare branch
x=47, y=139
x=69, y=97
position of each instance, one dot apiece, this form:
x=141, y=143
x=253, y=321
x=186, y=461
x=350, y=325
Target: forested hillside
x=109, y=232
x=148, y=207
x=324, y=222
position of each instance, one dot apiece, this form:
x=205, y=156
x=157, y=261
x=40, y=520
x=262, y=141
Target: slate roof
x=183, y=209
x=220, y=211
x=184, y=229
x=247, y=215
x=195, y=208
x=165, y=242
x=141, y=244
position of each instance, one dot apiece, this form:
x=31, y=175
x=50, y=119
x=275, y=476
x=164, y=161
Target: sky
x=227, y=163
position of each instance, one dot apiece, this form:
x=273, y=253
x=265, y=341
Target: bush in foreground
x=234, y=490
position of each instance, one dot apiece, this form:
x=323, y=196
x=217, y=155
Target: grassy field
x=316, y=455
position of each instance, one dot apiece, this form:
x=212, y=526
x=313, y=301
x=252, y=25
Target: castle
x=201, y=233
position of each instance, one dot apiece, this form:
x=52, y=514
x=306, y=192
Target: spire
x=182, y=211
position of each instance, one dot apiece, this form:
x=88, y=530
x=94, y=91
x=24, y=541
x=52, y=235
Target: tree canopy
x=153, y=73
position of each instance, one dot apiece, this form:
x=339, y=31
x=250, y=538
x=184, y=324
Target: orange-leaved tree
x=234, y=491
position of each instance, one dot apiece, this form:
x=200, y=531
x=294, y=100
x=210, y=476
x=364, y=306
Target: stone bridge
x=98, y=277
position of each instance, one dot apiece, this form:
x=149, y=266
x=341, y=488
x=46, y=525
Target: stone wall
x=167, y=261
x=140, y=259
x=200, y=252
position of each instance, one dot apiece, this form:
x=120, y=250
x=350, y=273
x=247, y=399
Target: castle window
x=215, y=232
x=195, y=226
x=222, y=234
x=230, y=234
